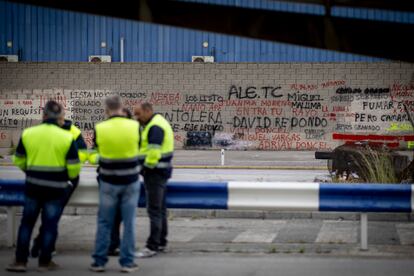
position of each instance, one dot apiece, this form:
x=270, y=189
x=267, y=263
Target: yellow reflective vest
x=116, y=150
x=157, y=155
x=48, y=155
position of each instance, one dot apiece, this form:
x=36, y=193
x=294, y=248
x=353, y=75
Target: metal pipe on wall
x=122, y=49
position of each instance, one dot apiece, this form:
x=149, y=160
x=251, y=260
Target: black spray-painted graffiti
x=253, y=92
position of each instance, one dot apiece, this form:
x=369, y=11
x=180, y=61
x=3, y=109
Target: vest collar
x=116, y=116
x=50, y=121
x=150, y=119
x=67, y=125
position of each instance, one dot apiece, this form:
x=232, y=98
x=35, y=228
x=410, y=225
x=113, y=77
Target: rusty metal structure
x=345, y=161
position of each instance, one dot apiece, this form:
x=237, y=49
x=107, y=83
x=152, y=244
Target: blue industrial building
x=43, y=34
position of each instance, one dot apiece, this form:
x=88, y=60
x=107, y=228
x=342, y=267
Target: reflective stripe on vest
x=46, y=169
x=47, y=183
x=163, y=165
x=109, y=161
x=120, y=172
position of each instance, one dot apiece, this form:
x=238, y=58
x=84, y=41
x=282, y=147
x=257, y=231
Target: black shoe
x=48, y=267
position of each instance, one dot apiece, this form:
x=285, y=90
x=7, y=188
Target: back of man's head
x=113, y=104
x=147, y=107
x=52, y=111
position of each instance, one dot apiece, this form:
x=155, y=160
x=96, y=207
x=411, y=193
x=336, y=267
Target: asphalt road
x=233, y=264
x=205, y=174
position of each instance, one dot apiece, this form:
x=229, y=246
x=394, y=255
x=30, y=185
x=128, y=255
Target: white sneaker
x=17, y=267
x=96, y=268
x=130, y=268
x=145, y=253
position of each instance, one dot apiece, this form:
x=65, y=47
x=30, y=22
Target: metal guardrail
x=279, y=196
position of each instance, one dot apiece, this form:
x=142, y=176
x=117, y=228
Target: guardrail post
x=364, y=231
x=11, y=226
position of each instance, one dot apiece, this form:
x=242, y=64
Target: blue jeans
x=51, y=211
x=110, y=197
x=65, y=199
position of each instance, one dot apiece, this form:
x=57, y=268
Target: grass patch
x=376, y=166
x=365, y=165
x=273, y=250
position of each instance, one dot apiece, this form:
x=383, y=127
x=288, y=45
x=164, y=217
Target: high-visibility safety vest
x=117, y=141
x=74, y=131
x=83, y=152
x=157, y=156
x=48, y=155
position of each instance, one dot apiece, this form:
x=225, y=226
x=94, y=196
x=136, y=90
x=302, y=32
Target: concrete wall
x=244, y=105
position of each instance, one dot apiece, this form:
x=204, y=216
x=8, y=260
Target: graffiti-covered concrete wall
x=239, y=105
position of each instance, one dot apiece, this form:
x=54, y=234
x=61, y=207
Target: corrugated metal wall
x=43, y=34
x=371, y=14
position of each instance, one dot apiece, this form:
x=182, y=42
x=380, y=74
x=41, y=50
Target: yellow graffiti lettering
x=400, y=127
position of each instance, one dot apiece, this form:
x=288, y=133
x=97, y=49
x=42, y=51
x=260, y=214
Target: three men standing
x=48, y=155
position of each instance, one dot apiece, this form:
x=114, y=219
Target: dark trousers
x=51, y=211
x=155, y=188
x=68, y=193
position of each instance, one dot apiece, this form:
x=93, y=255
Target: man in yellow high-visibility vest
x=114, y=249
x=117, y=149
x=83, y=155
x=156, y=153
x=49, y=157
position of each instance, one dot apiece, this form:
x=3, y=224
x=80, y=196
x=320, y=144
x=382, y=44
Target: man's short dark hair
x=52, y=110
x=147, y=106
x=113, y=103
